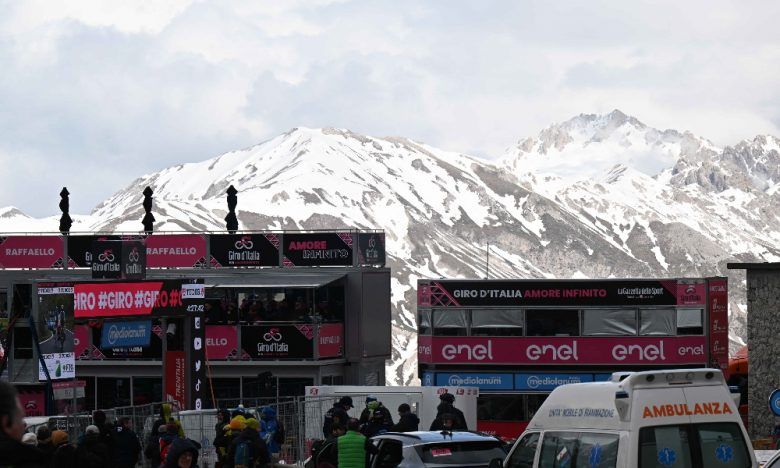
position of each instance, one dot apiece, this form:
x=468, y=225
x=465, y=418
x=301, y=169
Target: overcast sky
x=96, y=93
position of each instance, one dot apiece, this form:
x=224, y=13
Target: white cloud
x=120, y=89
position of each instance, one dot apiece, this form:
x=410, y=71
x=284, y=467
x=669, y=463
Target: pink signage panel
x=564, y=350
x=221, y=342
x=691, y=294
x=176, y=251
x=31, y=251
x=80, y=339
x=331, y=340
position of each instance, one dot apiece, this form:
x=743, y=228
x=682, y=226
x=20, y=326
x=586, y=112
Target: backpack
x=164, y=447
x=243, y=456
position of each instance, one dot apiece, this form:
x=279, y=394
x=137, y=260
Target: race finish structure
x=517, y=340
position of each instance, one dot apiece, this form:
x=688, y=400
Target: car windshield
x=688, y=445
x=461, y=453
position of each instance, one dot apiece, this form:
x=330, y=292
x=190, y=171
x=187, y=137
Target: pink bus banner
x=176, y=251
x=32, y=251
x=331, y=340
x=660, y=350
x=221, y=342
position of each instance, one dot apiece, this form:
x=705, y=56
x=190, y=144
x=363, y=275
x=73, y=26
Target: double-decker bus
x=519, y=339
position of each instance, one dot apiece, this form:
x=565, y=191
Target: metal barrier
x=301, y=417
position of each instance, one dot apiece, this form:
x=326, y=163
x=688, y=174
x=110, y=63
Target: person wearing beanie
x=222, y=443
x=408, y=422
x=127, y=447
x=92, y=452
x=372, y=405
x=44, y=441
x=12, y=451
x=337, y=415
x=106, y=430
x=182, y=454
x=30, y=439
x=64, y=452
x=271, y=431
x=447, y=407
x=247, y=447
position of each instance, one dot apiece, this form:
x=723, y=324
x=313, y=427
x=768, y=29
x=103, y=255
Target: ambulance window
x=497, y=322
x=657, y=322
x=609, y=322
x=722, y=445
x=549, y=322
x=597, y=450
x=558, y=449
x=525, y=450
x=662, y=446
x=450, y=322
x=689, y=322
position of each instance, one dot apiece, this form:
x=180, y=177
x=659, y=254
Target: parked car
x=426, y=449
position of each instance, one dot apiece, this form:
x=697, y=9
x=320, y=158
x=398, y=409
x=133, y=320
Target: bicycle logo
x=106, y=256
x=134, y=256
x=273, y=335
x=244, y=243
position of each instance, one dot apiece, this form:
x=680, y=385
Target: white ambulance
x=673, y=418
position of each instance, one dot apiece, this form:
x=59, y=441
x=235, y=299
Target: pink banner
x=718, y=302
x=31, y=251
x=176, y=251
x=33, y=401
x=221, y=342
x=174, y=378
x=331, y=340
x=80, y=339
x=564, y=350
x=424, y=348
x=691, y=294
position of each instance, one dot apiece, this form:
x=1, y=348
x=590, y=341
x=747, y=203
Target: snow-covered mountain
x=595, y=196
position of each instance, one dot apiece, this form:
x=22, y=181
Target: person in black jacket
x=127, y=447
x=44, y=441
x=337, y=415
x=258, y=452
x=92, y=452
x=183, y=453
x=447, y=407
x=12, y=451
x=408, y=422
x=64, y=451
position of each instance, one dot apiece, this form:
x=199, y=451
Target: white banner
x=60, y=365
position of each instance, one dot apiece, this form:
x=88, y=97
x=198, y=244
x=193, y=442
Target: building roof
x=754, y=266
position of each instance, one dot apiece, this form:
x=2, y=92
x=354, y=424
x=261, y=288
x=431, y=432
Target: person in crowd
x=12, y=451
x=213, y=314
x=338, y=414
x=272, y=311
x=239, y=411
x=106, y=430
x=165, y=416
x=447, y=406
x=328, y=458
x=248, y=449
x=408, y=421
x=44, y=441
x=271, y=431
x=64, y=452
x=223, y=418
x=30, y=439
x=373, y=404
x=353, y=448
x=92, y=452
x=376, y=425
x=127, y=448
x=183, y=453
x=222, y=442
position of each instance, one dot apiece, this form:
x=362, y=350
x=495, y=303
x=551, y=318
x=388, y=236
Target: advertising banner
x=80, y=247
x=176, y=251
x=233, y=250
x=278, y=341
x=156, y=298
x=196, y=372
x=371, y=248
x=151, y=351
x=548, y=382
x=80, y=340
x=317, y=249
x=221, y=342
x=31, y=251
x=330, y=342
x=174, y=378
x=55, y=330
x=33, y=401
x=126, y=334
x=118, y=259
x=691, y=293
x=565, y=350
x=717, y=305
x=483, y=381
x=459, y=293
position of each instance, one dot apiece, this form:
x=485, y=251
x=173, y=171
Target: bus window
x=553, y=322
x=689, y=322
x=609, y=322
x=657, y=322
x=497, y=322
x=450, y=322
x=424, y=322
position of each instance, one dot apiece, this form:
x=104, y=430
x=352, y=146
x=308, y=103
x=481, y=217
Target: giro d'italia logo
x=134, y=256
x=273, y=335
x=106, y=256
x=245, y=243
